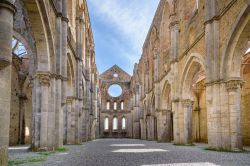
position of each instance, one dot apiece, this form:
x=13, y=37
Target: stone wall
x=203, y=46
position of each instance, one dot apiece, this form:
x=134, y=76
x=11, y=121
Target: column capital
x=69, y=100
x=233, y=85
x=187, y=102
x=44, y=78
x=8, y=5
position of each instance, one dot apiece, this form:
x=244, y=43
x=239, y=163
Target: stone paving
x=129, y=152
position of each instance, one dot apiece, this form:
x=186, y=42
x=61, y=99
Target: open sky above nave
x=120, y=28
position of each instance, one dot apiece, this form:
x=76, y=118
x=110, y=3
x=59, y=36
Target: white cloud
x=132, y=18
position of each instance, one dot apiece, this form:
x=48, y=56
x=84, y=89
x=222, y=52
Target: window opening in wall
x=106, y=123
x=18, y=48
x=197, y=4
x=248, y=50
x=123, y=123
x=115, y=105
x=108, y=105
x=122, y=106
x=115, y=90
x=27, y=131
x=115, y=123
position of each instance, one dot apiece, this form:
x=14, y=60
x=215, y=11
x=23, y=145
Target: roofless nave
x=192, y=83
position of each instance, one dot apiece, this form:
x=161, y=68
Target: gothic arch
x=42, y=33
x=70, y=76
x=194, y=63
x=166, y=96
x=236, y=46
x=164, y=32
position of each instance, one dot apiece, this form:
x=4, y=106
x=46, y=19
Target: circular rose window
x=115, y=90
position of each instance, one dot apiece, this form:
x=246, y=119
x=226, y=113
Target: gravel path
x=129, y=152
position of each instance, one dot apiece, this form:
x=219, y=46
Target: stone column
x=77, y=124
x=64, y=59
x=73, y=123
x=188, y=108
x=234, y=102
x=40, y=111
x=174, y=36
x=69, y=120
x=176, y=124
x=7, y=11
x=214, y=115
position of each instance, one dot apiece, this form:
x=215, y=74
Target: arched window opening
x=248, y=48
x=115, y=123
x=123, y=123
x=18, y=48
x=108, y=105
x=122, y=105
x=106, y=123
x=197, y=4
x=115, y=105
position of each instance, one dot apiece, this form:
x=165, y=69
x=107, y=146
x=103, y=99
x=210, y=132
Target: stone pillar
x=234, y=102
x=188, y=108
x=77, y=122
x=165, y=126
x=72, y=134
x=174, y=36
x=64, y=59
x=40, y=111
x=214, y=114
x=69, y=120
x=176, y=121
x=7, y=11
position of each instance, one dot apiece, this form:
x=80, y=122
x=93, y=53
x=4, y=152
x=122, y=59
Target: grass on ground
x=226, y=150
x=41, y=158
x=184, y=144
x=27, y=160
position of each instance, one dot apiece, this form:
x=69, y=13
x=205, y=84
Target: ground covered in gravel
x=129, y=152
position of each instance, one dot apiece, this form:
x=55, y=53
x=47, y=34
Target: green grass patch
x=26, y=161
x=41, y=158
x=61, y=150
x=184, y=144
x=226, y=150
x=46, y=153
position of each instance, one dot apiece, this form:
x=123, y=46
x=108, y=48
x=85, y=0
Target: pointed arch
x=236, y=45
x=39, y=21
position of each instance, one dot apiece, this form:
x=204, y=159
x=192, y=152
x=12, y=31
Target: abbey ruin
x=191, y=84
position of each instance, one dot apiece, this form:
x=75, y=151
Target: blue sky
x=120, y=28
